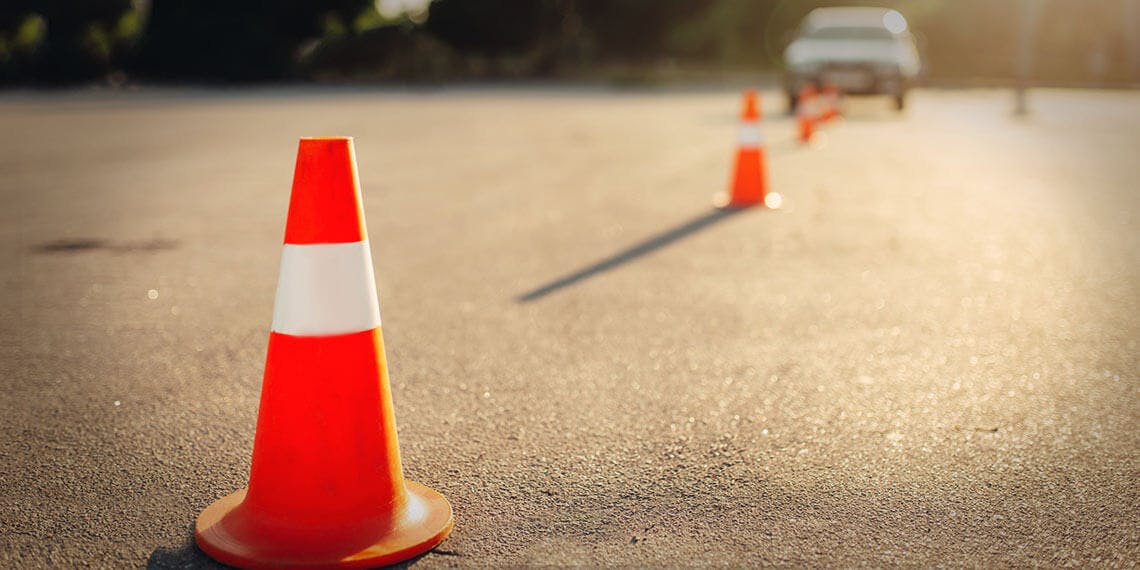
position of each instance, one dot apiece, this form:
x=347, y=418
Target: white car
x=859, y=50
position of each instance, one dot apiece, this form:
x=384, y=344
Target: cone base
x=725, y=202
x=422, y=527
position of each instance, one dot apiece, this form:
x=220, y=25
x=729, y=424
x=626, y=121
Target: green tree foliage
x=637, y=29
x=625, y=29
x=239, y=40
x=236, y=40
x=57, y=40
x=496, y=27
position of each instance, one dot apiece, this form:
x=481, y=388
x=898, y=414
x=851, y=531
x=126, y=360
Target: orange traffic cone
x=326, y=489
x=749, y=179
x=806, y=112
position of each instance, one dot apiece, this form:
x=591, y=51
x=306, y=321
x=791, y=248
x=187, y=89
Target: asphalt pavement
x=928, y=356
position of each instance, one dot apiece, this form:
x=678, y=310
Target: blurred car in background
x=862, y=51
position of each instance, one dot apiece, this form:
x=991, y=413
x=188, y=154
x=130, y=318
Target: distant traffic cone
x=830, y=100
x=326, y=488
x=806, y=112
x=749, y=180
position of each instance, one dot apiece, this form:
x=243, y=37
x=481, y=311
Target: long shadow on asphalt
x=648, y=246
x=82, y=245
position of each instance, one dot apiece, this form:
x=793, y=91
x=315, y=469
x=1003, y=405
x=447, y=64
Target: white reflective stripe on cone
x=751, y=135
x=326, y=289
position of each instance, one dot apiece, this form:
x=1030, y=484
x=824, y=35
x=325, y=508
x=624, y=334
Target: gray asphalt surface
x=927, y=357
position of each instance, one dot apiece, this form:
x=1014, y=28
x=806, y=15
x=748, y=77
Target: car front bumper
x=854, y=79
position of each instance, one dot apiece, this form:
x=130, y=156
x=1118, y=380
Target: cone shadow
x=185, y=557
x=633, y=252
x=189, y=557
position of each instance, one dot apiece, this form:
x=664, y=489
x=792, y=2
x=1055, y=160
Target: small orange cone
x=749, y=179
x=806, y=112
x=326, y=488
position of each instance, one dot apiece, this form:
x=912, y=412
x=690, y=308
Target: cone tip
x=325, y=203
x=751, y=111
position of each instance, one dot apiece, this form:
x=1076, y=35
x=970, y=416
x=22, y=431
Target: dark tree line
x=57, y=40
x=233, y=40
x=249, y=40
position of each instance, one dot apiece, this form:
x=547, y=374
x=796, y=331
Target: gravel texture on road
x=927, y=357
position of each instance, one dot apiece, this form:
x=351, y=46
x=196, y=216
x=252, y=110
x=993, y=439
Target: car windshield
x=849, y=33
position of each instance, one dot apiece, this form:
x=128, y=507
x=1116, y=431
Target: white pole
x=1027, y=31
